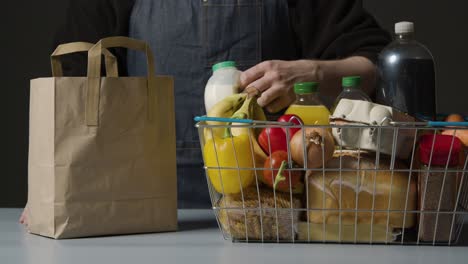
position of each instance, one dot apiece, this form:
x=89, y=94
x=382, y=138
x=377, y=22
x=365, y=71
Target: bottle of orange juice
x=308, y=106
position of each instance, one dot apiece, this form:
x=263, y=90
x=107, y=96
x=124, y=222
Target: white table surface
x=199, y=241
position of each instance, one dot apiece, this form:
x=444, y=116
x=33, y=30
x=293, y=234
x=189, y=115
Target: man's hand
x=274, y=80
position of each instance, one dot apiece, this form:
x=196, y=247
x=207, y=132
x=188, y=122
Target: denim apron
x=187, y=38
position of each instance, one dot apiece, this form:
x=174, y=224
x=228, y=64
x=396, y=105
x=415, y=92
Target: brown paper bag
x=102, y=157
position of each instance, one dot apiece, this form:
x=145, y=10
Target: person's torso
x=189, y=36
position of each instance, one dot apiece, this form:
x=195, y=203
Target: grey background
x=27, y=28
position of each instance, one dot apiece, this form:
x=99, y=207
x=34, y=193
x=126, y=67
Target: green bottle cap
x=224, y=64
x=351, y=81
x=306, y=87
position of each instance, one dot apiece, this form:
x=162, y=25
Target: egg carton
x=377, y=133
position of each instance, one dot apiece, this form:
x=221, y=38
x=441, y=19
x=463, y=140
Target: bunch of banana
x=238, y=106
x=225, y=108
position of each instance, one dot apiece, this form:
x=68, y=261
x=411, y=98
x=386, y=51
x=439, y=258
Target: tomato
x=274, y=139
x=276, y=174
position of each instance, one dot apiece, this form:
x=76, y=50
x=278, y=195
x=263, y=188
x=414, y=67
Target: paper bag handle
x=75, y=47
x=94, y=74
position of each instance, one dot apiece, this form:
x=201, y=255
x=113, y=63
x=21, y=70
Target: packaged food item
x=352, y=90
x=437, y=187
x=361, y=233
x=407, y=74
x=308, y=105
x=353, y=180
x=243, y=217
x=361, y=113
x=224, y=82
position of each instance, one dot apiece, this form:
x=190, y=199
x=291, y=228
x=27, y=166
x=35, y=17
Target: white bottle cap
x=404, y=27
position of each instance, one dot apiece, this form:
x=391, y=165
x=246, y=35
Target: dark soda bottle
x=407, y=75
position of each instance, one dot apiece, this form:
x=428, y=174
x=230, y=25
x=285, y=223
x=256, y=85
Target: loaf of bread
x=359, y=186
x=360, y=233
x=244, y=218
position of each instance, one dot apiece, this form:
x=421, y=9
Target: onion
x=319, y=147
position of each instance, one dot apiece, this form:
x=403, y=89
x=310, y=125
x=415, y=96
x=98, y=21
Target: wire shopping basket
x=368, y=184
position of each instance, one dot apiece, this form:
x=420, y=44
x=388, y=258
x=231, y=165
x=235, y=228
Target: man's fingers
x=260, y=85
x=249, y=76
x=280, y=103
x=269, y=96
x=267, y=80
x=256, y=72
x=252, y=91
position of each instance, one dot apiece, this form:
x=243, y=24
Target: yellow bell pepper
x=229, y=151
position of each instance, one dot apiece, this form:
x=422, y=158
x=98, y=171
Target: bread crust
x=380, y=188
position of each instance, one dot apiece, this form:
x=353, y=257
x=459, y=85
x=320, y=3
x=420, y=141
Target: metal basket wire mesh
x=376, y=195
